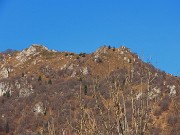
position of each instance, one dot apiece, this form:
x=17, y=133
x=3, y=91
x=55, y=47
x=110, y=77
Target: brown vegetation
x=109, y=92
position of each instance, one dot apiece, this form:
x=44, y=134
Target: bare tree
x=86, y=122
x=51, y=127
x=127, y=109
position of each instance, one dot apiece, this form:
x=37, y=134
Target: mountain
x=108, y=92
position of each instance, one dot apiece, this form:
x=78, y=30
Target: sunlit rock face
x=22, y=56
x=26, y=91
x=102, y=50
x=4, y=73
x=154, y=93
x=172, y=89
x=5, y=87
x=31, y=51
x=85, y=71
x=39, y=108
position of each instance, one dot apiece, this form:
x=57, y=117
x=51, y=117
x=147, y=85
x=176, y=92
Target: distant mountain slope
x=110, y=91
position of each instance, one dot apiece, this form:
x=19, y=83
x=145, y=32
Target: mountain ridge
x=51, y=89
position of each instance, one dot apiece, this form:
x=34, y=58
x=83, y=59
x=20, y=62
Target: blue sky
x=150, y=28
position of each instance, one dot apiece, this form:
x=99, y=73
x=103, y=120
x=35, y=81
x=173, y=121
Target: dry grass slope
x=108, y=92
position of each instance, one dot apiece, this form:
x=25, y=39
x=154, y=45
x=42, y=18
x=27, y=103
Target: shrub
x=157, y=112
x=109, y=47
x=172, y=120
x=7, y=94
x=80, y=79
x=7, y=127
x=50, y=82
x=85, y=89
x=39, y=78
x=164, y=105
x=114, y=48
x=82, y=54
x=66, y=54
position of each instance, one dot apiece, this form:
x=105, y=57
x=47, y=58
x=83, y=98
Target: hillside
x=108, y=92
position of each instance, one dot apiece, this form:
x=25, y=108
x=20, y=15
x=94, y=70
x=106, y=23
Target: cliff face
x=110, y=91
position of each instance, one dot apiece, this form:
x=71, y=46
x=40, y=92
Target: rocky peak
x=102, y=50
x=33, y=50
x=40, y=47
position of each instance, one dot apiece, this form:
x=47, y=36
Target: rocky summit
x=108, y=92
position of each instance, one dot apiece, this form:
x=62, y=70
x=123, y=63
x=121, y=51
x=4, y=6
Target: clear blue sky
x=149, y=27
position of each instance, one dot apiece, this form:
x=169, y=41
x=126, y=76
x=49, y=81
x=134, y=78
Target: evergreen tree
x=7, y=127
x=85, y=89
x=39, y=78
x=50, y=82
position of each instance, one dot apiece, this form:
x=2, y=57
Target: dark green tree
x=7, y=127
x=66, y=54
x=85, y=89
x=82, y=54
x=39, y=78
x=50, y=82
x=114, y=48
x=8, y=94
x=80, y=79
